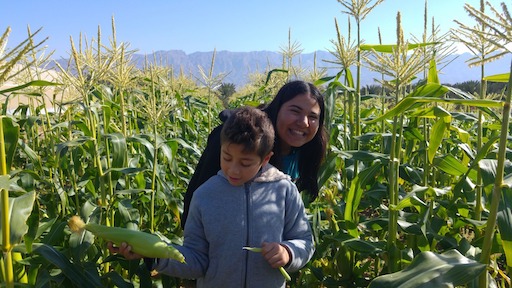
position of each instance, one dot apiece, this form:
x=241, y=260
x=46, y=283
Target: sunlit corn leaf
x=36, y=83
x=19, y=211
x=503, y=78
x=436, y=137
x=411, y=200
x=389, y=48
x=431, y=112
x=406, y=103
x=429, y=269
x=432, y=76
x=5, y=183
x=453, y=166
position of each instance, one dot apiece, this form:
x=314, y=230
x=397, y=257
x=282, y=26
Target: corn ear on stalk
x=281, y=269
x=142, y=243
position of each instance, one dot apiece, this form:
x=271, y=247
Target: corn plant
x=119, y=148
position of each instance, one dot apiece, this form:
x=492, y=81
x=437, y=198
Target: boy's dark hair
x=251, y=128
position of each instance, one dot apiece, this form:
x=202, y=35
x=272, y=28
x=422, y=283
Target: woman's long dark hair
x=310, y=154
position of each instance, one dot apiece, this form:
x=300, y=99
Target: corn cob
x=281, y=269
x=142, y=243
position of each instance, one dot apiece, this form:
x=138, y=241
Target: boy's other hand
x=276, y=254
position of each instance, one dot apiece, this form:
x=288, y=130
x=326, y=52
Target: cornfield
x=416, y=186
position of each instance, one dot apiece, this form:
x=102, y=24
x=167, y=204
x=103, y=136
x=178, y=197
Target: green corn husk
x=142, y=243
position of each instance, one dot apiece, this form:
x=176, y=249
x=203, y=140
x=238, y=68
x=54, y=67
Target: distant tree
x=473, y=87
x=225, y=91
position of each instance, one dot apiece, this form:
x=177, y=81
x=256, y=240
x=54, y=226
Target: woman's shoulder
x=269, y=173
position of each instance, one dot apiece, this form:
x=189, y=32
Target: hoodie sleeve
x=194, y=249
x=297, y=232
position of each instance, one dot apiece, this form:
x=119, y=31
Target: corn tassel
x=281, y=269
x=142, y=243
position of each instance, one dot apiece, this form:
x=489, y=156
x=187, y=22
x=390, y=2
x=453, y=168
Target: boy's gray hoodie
x=224, y=218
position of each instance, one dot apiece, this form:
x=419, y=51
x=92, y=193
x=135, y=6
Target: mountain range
x=236, y=66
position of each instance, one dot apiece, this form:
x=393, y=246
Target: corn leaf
x=72, y=271
x=327, y=169
x=19, y=211
x=36, y=83
x=432, y=76
x=356, y=191
x=504, y=218
x=405, y=104
x=429, y=269
x=503, y=78
x=436, y=138
x=453, y=166
x=389, y=48
x=118, y=151
x=11, y=134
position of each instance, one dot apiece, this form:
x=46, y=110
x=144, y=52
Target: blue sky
x=238, y=26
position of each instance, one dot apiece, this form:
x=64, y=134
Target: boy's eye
x=246, y=164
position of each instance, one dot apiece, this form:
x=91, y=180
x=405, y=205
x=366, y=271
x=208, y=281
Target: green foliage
x=122, y=147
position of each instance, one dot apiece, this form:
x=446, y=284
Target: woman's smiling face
x=297, y=122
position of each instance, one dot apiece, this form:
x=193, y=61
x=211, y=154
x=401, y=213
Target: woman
x=297, y=113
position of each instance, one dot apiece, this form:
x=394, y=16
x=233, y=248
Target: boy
x=248, y=203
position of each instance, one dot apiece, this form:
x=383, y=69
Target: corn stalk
x=498, y=184
x=358, y=9
x=396, y=63
x=7, y=272
x=479, y=45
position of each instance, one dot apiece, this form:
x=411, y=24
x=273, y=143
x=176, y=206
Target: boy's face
x=238, y=166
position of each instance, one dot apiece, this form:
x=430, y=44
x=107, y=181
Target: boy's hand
x=124, y=249
x=276, y=254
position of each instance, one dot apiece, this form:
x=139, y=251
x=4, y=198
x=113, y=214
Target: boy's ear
x=267, y=158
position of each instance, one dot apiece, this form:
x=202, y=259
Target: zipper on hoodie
x=247, y=205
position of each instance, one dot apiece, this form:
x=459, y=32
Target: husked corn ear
x=281, y=269
x=142, y=243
